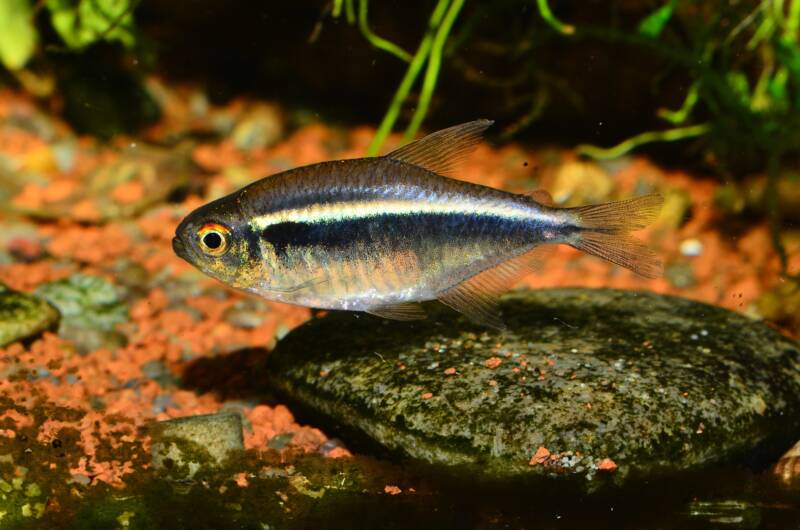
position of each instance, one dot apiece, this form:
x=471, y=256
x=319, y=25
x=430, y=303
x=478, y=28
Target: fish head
x=214, y=239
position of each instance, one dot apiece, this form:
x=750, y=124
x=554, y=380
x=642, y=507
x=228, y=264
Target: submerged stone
x=583, y=383
x=182, y=447
x=23, y=316
x=90, y=308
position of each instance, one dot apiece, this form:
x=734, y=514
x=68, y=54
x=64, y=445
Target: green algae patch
x=584, y=384
x=22, y=501
x=23, y=316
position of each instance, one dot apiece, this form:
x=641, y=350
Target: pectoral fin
x=404, y=311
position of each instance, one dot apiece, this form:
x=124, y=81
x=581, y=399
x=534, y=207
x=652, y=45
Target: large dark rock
x=656, y=384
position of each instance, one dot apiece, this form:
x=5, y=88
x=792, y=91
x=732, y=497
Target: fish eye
x=213, y=239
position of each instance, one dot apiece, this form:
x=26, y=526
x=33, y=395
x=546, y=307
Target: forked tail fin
x=604, y=231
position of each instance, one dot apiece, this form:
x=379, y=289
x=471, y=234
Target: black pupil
x=212, y=240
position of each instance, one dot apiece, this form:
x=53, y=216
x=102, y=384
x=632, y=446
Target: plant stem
x=772, y=205
x=378, y=42
x=547, y=15
x=670, y=135
x=676, y=117
x=432, y=72
x=337, y=8
x=410, y=76
x=349, y=11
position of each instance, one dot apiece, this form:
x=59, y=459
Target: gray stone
x=589, y=382
x=23, y=316
x=90, y=308
x=184, y=447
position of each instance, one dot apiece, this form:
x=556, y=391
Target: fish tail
x=604, y=231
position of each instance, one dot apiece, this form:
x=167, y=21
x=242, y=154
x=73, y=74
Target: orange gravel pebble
x=128, y=192
x=607, y=464
x=493, y=362
x=541, y=456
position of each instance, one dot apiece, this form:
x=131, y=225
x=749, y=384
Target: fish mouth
x=179, y=249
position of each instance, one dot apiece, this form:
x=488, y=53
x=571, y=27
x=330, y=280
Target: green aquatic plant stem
x=793, y=20
x=670, y=135
x=378, y=42
x=676, y=117
x=547, y=15
x=772, y=204
x=410, y=76
x=432, y=72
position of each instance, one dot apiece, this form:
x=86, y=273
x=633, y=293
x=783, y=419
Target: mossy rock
x=610, y=383
x=23, y=316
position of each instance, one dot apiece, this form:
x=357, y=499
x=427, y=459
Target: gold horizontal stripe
x=344, y=211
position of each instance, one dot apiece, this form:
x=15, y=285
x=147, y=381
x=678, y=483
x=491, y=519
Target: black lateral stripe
x=345, y=233
x=253, y=243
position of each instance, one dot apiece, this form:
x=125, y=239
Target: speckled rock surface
x=584, y=382
x=23, y=316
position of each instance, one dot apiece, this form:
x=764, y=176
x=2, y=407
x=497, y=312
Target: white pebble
x=691, y=247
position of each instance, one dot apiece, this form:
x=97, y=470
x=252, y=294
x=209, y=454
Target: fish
x=382, y=234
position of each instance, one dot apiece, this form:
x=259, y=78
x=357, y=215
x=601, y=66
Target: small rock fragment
x=185, y=446
x=691, y=247
x=607, y=464
x=788, y=467
x=493, y=362
x=540, y=456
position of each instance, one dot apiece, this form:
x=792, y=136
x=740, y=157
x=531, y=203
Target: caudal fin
x=604, y=232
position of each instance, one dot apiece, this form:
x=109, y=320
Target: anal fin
x=402, y=311
x=478, y=297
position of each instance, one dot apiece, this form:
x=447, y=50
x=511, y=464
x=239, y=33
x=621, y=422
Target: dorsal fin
x=401, y=311
x=477, y=297
x=442, y=151
x=542, y=197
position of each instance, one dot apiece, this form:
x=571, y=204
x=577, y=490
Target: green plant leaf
x=654, y=24
x=17, y=34
x=739, y=86
x=85, y=22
